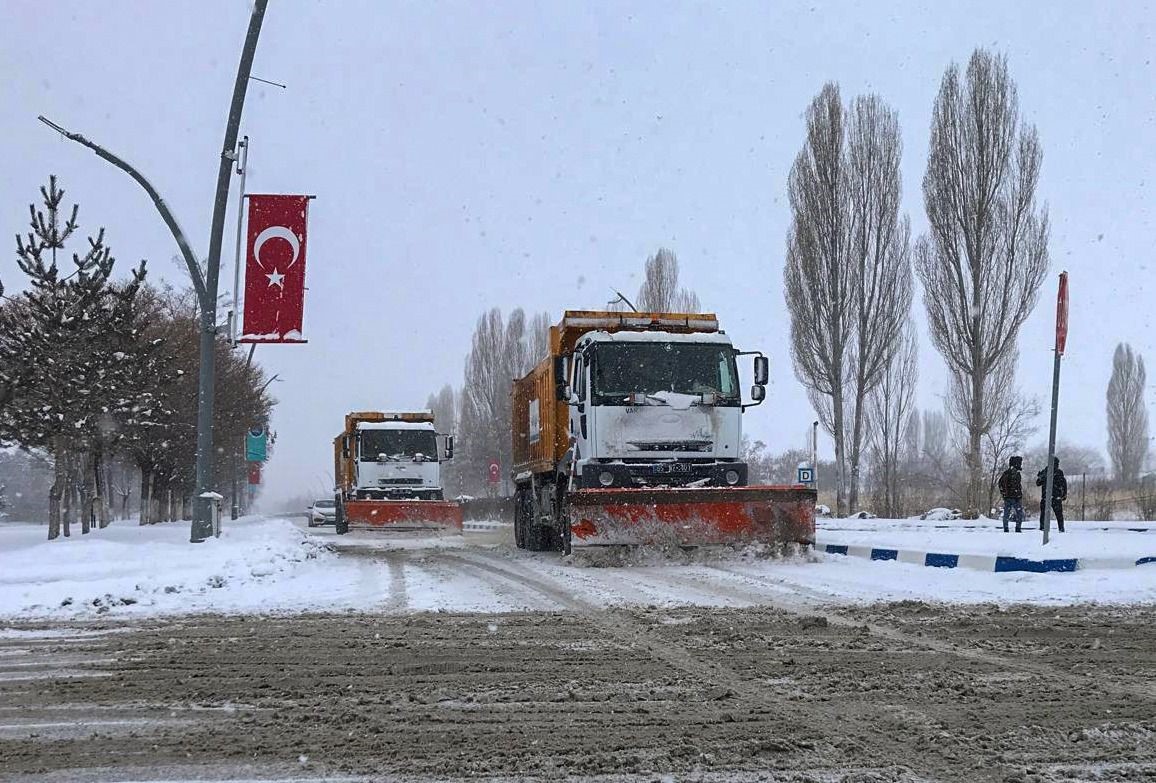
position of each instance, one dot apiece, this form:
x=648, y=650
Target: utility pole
x=815, y=455
x=242, y=170
x=202, y=526
x=204, y=280
x=235, y=313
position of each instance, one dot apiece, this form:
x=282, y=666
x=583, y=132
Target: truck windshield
x=621, y=369
x=397, y=444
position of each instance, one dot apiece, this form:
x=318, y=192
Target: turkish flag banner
x=275, y=269
x=1062, y=315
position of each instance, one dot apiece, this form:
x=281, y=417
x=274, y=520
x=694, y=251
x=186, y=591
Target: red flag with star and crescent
x=275, y=269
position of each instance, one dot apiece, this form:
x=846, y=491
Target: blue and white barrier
x=996, y=563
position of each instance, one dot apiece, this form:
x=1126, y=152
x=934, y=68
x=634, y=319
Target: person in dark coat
x=1059, y=493
x=1011, y=489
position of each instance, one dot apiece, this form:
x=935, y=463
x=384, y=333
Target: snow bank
x=986, y=537
x=129, y=569
x=856, y=580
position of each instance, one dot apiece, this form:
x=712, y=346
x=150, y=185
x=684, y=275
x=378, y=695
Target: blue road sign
x=255, y=450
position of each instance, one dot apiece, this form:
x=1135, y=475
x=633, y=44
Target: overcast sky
x=469, y=155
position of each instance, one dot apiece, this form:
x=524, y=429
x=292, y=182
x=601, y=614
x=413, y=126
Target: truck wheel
x=540, y=538
x=340, y=524
x=520, y=521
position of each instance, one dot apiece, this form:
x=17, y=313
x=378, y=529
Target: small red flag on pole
x=1062, y=314
x=275, y=269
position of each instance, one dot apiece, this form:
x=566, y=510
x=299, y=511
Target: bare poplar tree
x=660, y=291
x=1127, y=416
x=986, y=253
x=848, y=274
x=443, y=405
x=500, y=352
x=537, y=339
x=890, y=413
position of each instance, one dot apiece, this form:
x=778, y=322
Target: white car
x=323, y=512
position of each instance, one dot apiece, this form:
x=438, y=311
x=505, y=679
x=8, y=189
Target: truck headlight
x=606, y=478
x=732, y=477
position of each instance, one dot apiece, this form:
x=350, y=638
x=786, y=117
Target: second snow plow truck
x=628, y=433
x=387, y=468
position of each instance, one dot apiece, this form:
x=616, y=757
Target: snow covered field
x=277, y=566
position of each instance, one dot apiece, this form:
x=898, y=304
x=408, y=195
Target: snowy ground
x=715, y=671
x=277, y=566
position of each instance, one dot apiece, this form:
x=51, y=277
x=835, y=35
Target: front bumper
x=662, y=474
x=682, y=517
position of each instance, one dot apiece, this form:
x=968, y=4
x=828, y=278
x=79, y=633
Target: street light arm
x=170, y=220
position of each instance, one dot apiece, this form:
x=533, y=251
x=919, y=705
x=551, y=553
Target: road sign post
x=1061, y=343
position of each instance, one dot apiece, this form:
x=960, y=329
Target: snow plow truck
x=628, y=433
x=388, y=474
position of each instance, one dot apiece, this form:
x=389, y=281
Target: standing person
x=1059, y=493
x=1011, y=489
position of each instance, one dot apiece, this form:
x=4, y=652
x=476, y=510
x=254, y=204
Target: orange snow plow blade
x=404, y=515
x=773, y=515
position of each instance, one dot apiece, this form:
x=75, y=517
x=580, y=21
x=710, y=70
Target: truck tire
x=541, y=538
x=520, y=518
x=340, y=523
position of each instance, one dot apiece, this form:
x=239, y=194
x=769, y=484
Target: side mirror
x=762, y=371
x=560, y=378
x=758, y=393
x=449, y=446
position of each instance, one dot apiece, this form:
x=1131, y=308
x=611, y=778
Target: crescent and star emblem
x=276, y=277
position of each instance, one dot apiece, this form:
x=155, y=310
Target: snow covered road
x=279, y=566
x=282, y=653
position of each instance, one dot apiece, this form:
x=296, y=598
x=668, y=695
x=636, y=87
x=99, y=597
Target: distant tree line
x=848, y=278
x=98, y=379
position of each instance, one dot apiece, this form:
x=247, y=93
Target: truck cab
x=392, y=456
x=656, y=408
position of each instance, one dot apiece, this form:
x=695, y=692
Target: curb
x=990, y=563
x=995, y=526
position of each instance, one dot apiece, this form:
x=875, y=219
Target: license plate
x=673, y=467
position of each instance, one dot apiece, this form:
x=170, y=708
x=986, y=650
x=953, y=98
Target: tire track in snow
x=398, y=599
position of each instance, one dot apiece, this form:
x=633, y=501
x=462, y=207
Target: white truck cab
x=656, y=408
x=398, y=460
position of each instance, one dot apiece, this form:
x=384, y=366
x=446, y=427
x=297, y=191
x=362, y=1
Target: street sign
x=1062, y=314
x=1061, y=343
x=255, y=449
x=495, y=473
x=254, y=473
x=806, y=476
